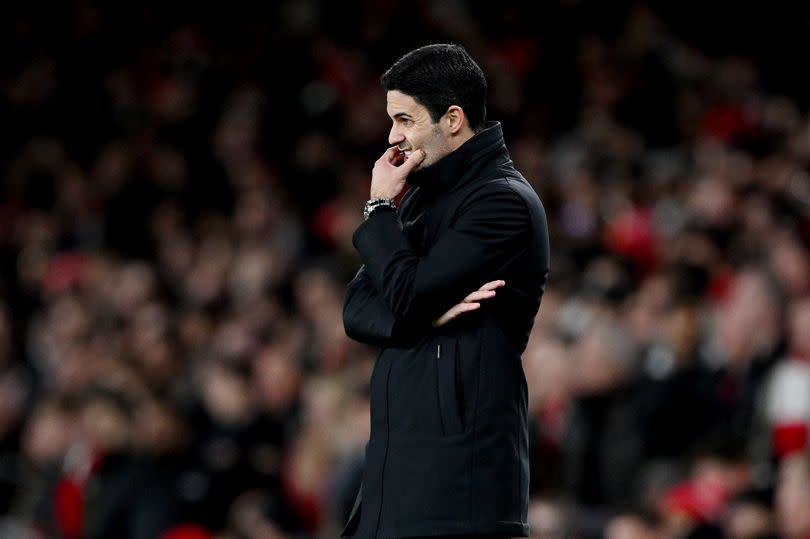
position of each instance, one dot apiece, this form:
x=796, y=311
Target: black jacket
x=448, y=452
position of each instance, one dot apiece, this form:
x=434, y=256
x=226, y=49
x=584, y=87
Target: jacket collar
x=458, y=167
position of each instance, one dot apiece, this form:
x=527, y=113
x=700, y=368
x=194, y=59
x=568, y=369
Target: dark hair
x=439, y=76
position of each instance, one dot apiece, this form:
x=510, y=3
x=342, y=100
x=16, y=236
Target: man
x=447, y=455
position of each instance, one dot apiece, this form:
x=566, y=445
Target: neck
x=462, y=162
x=464, y=134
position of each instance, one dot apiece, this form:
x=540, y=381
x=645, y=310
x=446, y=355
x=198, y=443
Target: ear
x=455, y=119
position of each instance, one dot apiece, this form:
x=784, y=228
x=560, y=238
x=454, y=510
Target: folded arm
x=368, y=319
x=488, y=235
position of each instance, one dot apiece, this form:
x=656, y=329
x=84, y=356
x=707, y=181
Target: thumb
x=416, y=157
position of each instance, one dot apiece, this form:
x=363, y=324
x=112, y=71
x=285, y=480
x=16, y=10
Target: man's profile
x=449, y=288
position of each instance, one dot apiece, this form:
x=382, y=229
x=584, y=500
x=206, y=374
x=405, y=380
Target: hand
x=470, y=303
x=391, y=170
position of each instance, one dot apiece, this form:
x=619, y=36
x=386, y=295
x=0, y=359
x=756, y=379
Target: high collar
x=453, y=168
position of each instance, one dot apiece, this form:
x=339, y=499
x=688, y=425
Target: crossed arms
x=398, y=294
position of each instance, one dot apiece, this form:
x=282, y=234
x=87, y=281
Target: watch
x=375, y=203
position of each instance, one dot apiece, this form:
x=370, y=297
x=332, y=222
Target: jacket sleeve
x=368, y=319
x=489, y=234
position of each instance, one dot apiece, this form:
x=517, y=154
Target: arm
x=366, y=317
x=487, y=237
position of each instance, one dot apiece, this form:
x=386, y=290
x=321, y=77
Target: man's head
x=436, y=100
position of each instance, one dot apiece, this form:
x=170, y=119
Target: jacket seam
x=475, y=432
x=508, y=180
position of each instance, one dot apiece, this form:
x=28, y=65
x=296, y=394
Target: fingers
x=416, y=157
x=479, y=295
x=394, y=156
x=486, y=291
x=389, y=155
x=454, y=312
x=470, y=302
x=492, y=285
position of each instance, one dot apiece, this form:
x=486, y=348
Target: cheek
x=412, y=139
x=435, y=145
x=422, y=138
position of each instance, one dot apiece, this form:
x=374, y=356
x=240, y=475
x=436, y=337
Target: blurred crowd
x=179, y=188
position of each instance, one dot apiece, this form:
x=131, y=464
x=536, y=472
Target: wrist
x=375, y=203
x=376, y=195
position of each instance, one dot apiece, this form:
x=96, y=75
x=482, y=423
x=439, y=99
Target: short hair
x=439, y=76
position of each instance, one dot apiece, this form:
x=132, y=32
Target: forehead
x=399, y=103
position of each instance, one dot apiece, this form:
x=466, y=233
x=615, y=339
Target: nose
x=395, y=136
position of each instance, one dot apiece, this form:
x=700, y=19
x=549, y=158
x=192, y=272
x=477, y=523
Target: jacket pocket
x=448, y=388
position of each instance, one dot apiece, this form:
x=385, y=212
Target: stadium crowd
x=179, y=188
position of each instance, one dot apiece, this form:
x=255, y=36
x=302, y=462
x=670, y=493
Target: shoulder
x=508, y=197
x=492, y=201
x=508, y=188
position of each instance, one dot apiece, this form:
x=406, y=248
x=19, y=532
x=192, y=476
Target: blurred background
x=179, y=185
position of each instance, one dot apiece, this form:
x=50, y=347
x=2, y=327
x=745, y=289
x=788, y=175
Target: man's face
x=413, y=129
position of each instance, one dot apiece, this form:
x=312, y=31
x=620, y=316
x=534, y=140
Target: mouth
x=404, y=152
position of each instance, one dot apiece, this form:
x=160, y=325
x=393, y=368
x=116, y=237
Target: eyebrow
x=401, y=115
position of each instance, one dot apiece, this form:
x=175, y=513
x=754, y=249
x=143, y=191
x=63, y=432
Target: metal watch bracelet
x=375, y=203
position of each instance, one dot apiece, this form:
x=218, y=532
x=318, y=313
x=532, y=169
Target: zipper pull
x=439, y=351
